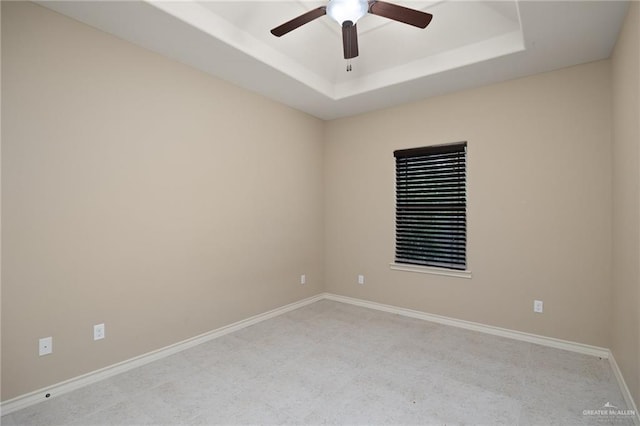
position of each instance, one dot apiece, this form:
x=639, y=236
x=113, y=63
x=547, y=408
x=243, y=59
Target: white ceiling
x=467, y=44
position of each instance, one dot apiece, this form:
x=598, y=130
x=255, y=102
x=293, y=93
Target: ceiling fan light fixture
x=347, y=10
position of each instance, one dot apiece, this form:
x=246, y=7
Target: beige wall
x=626, y=201
x=539, y=209
x=140, y=193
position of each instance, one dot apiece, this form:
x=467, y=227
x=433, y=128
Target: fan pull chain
x=349, y=68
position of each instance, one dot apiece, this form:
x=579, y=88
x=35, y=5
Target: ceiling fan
x=347, y=12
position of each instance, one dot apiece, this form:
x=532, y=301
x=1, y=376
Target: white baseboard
x=75, y=383
x=628, y=399
x=475, y=326
x=23, y=401
x=503, y=332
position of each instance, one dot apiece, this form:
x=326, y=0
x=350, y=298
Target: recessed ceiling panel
x=467, y=44
x=384, y=44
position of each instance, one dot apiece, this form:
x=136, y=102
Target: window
x=431, y=206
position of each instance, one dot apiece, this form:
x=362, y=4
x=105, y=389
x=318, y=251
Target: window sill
x=430, y=270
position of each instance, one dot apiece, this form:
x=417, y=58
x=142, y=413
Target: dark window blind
x=431, y=206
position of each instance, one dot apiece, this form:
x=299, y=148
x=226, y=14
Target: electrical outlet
x=45, y=346
x=360, y=279
x=537, y=306
x=98, y=331
x=303, y=279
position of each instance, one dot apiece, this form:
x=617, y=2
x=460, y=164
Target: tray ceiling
x=467, y=44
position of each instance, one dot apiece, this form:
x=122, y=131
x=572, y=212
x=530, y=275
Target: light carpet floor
x=333, y=363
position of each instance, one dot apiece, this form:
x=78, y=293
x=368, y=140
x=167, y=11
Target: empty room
x=320, y=212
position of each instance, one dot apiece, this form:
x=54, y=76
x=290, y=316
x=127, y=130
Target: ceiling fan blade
x=299, y=21
x=349, y=40
x=399, y=13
